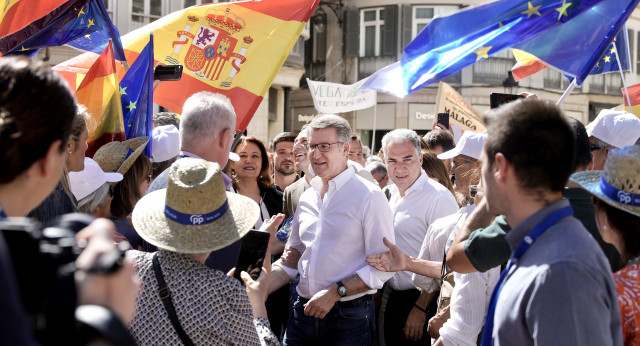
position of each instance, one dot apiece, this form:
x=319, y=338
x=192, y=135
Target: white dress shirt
x=335, y=234
x=425, y=201
x=434, y=244
x=468, y=304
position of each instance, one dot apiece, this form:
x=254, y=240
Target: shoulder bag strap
x=165, y=297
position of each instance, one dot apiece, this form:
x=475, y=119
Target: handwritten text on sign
x=338, y=98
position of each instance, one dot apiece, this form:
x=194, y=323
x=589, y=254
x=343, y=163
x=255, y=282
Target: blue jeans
x=347, y=323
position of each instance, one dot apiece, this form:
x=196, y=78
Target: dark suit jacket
x=272, y=199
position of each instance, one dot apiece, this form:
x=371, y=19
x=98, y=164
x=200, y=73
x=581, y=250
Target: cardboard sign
x=461, y=113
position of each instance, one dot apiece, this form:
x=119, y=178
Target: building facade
x=348, y=40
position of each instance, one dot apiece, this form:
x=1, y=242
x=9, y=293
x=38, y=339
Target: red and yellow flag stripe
x=99, y=92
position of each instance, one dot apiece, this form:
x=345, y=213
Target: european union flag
x=608, y=61
x=86, y=26
x=136, y=94
x=569, y=35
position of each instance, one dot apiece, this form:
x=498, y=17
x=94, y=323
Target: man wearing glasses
x=611, y=130
x=339, y=221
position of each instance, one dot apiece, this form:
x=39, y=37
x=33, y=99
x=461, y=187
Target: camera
x=43, y=259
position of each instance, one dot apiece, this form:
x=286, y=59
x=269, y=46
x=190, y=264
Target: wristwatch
x=342, y=289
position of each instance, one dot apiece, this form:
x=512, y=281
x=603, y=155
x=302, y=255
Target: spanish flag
x=20, y=17
x=235, y=49
x=527, y=64
x=99, y=92
x=634, y=96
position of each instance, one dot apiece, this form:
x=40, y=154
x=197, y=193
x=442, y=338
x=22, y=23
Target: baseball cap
x=165, y=143
x=90, y=179
x=470, y=144
x=616, y=128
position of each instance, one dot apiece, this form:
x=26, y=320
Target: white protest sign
x=338, y=98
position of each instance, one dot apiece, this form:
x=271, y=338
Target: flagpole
x=567, y=92
x=373, y=140
x=626, y=35
x=624, y=83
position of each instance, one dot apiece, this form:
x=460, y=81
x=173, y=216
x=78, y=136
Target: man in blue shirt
x=557, y=287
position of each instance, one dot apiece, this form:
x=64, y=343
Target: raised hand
x=391, y=261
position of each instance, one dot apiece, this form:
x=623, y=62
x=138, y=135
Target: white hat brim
x=153, y=226
x=449, y=154
x=112, y=177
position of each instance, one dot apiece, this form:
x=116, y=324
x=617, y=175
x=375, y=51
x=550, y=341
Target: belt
x=353, y=302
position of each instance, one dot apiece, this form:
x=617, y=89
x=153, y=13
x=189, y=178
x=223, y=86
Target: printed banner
x=339, y=98
x=449, y=101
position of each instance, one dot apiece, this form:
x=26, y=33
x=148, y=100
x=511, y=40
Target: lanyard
x=2, y=214
x=522, y=248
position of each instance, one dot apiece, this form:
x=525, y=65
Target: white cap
x=470, y=144
x=616, y=128
x=165, y=143
x=90, y=179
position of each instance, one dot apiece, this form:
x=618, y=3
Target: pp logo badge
x=624, y=197
x=196, y=219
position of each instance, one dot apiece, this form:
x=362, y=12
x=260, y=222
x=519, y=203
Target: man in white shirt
x=416, y=202
x=340, y=220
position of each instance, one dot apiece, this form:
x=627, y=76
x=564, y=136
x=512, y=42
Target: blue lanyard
x=2, y=214
x=525, y=244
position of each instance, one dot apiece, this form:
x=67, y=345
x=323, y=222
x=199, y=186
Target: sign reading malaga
x=338, y=98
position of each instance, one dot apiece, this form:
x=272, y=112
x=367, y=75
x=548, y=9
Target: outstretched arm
x=456, y=257
x=395, y=260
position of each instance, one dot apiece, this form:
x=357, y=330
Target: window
x=144, y=12
x=422, y=15
x=110, y=5
x=371, y=27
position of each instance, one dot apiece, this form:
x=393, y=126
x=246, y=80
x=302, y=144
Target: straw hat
x=120, y=156
x=90, y=179
x=619, y=186
x=194, y=214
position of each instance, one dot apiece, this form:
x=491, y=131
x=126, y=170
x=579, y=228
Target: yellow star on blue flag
x=563, y=9
x=532, y=10
x=132, y=105
x=482, y=52
x=136, y=90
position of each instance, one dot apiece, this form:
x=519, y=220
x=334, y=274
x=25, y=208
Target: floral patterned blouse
x=627, y=282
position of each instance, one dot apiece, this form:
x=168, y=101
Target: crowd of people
x=525, y=234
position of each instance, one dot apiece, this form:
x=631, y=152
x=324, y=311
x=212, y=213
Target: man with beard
x=284, y=173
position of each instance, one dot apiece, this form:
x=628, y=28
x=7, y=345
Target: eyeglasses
x=323, y=147
x=379, y=180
